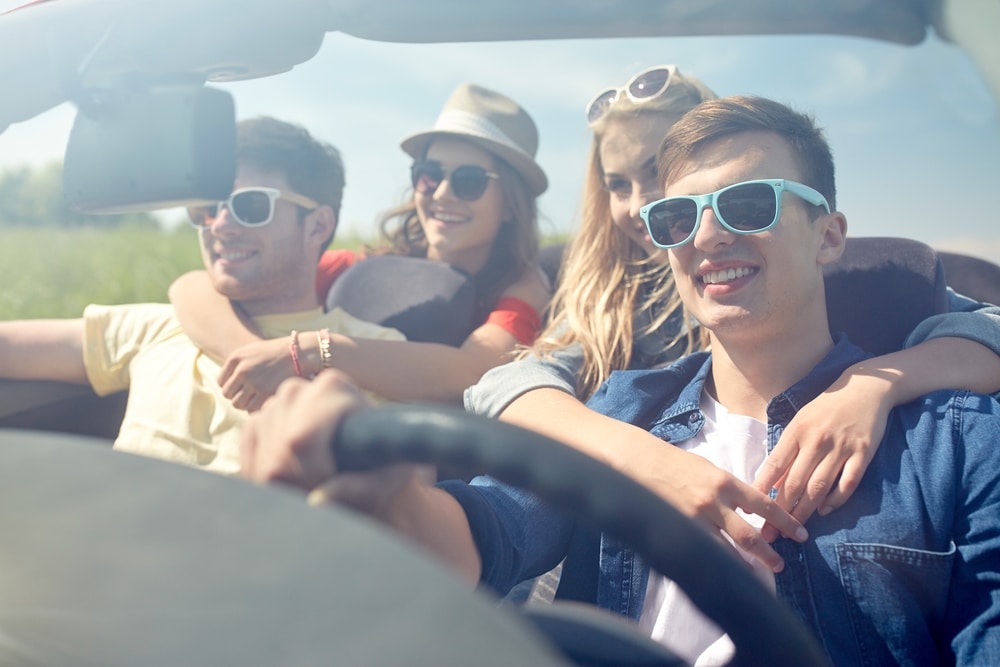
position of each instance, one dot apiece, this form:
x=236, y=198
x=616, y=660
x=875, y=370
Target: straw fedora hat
x=493, y=121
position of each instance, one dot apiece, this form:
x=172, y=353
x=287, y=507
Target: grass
x=54, y=272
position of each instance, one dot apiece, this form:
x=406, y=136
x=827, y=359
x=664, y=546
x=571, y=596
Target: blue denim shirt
x=907, y=571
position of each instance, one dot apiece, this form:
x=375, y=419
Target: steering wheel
x=114, y=559
x=763, y=630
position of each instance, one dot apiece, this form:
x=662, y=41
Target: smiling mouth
x=448, y=218
x=727, y=275
x=233, y=256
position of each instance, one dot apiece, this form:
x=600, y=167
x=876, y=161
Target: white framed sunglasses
x=251, y=207
x=749, y=207
x=644, y=86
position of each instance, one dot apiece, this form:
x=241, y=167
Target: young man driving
x=907, y=571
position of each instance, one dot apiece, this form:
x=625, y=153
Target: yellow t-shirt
x=176, y=410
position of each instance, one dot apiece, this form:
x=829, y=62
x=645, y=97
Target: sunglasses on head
x=468, y=182
x=743, y=208
x=251, y=207
x=642, y=87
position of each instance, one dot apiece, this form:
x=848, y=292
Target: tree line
x=33, y=197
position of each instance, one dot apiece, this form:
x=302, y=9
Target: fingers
x=247, y=398
x=850, y=478
x=749, y=539
x=779, y=521
x=773, y=470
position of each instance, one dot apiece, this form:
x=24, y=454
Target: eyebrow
x=650, y=163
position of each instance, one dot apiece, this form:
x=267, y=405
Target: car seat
x=428, y=301
x=881, y=288
x=973, y=277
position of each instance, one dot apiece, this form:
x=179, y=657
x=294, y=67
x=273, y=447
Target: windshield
x=914, y=130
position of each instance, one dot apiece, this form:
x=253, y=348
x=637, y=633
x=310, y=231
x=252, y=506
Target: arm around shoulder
x=502, y=385
x=209, y=319
x=965, y=318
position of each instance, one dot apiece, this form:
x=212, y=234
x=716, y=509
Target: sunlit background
x=915, y=132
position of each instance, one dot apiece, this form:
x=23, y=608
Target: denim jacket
x=907, y=571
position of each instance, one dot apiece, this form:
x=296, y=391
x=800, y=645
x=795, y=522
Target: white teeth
x=447, y=217
x=726, y=275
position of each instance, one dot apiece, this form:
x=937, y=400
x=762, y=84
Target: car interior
x=104, y=563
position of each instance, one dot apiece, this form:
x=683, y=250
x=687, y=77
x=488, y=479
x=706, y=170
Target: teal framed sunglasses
x=749, y=207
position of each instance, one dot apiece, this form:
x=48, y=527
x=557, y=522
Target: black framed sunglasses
x=251, y=207
x=750, y=207
x=468, y=182
x=644, y=86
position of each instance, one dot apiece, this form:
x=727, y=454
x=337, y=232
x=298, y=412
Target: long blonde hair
x=606, y=279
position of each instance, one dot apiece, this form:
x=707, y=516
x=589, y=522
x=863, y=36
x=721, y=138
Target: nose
x=443, y=190
x=224, y=224
x=710, y=234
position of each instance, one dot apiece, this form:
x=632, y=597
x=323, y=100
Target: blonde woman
x=616, y=308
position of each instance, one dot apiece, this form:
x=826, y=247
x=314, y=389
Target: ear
x=320, y=226
x=832, y=231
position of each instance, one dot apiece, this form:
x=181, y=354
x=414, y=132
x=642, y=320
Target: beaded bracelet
x=325, y=354
x=295, y=353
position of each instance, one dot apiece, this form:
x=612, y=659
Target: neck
x=746, y=375
x=295, y=297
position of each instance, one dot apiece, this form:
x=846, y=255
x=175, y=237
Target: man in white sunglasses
x=260, y=248
x=907, y=571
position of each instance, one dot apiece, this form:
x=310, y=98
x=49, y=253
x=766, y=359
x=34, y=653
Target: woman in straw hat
x=615, y=307
x=475, y=183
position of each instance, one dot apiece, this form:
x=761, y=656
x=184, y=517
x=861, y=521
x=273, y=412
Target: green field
x=56, y=272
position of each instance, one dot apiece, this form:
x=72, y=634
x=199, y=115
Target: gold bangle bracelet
x=325, y=354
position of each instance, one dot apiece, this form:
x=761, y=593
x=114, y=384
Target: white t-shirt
x=738, y=445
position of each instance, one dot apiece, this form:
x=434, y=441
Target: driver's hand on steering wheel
x=288, y=441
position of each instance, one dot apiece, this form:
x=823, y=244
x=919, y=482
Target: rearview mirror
x=158, y=148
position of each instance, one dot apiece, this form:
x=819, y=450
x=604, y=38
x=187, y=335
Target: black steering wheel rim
x=762, y=629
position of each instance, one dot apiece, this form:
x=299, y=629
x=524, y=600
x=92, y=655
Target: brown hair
x=717, y=119
x=311, y=167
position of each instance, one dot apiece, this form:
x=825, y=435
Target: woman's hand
x=824, y=452
x=253, y=372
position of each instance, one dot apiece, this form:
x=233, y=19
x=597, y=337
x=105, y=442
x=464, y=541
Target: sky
x=914, y=130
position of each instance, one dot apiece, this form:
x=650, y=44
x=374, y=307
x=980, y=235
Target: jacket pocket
x=896, y=598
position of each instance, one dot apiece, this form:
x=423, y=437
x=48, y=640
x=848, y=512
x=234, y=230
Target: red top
x=332, y=263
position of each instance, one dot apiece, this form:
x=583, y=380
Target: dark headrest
x=428, y=301
x=881, y=288
x=973, y=277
